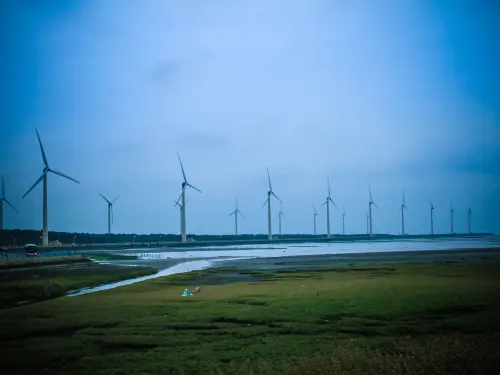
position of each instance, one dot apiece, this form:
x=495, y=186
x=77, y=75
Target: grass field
x=408, y=319
x=44, y=281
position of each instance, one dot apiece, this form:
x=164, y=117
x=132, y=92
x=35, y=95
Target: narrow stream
x=195, y=265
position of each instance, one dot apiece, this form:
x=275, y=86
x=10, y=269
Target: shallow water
x=245, y=255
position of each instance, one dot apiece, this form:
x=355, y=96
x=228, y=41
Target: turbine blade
x=277, y=198
x=269, y=179
x=328, y=180
x=103, y=197
x=232, y=213
x=41, y=148
x=63, y=175
x=118, y=196
x=195, y=188
x=10, y=204
x=370, y=190
x=36, y=183
x=178, y=200
x=176, y=203
x=334, y=204
x=374, y=204
x=183, y=174
x=265, y=202
x=243, y=216
x=324, y=203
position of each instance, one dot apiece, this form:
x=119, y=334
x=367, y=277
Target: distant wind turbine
x=403, y=207
x=469, y=219
x=110, y=210
x=452, y=210
x=315, y=214
x=46, y=170
x=185, y=183
x=235, y=213
x=4, y=199
x=280, y=215
x=432, y=217
x=370, y=203
x=343, y=220
x=327, y=202
x=268, y=201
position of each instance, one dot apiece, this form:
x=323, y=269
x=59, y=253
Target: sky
x=397, y=95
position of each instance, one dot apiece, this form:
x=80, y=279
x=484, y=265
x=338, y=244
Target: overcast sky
x=394, y=94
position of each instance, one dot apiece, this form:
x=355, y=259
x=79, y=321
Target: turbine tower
x=452, y=210
x=4, y=199
x=327, y=202
x=180, y=207
x=235, y=213
x=403, y=207
x=469, y=219
x=110, y=210
x=370, y=203
x=46, y=170
x=432, y=217
x=367, y=223
x=343, y=220
x=185, y=184
x=315, y=214
x=268, y=201
x=280, y=215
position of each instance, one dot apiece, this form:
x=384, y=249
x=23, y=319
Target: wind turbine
x=327, y=202
x=280, y=215
x=43, y=177
x=469, y=219
x=235, y=213
x=403, y=207
x=432, y=217
x=4, y=199
x=452, y=210
x=367, y=223
x=315, y=214
x=110, y=210
x=185, y=183
x=268, y=201
x=370, y=203
x=343, y=220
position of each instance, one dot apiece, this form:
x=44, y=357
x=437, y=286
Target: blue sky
x=398, y=95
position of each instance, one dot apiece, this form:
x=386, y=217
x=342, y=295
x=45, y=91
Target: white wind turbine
x=110, y=210
x=403, y=207
x=235, y=213
x=280, y=215
x=327, y=202
x=43, y=177
x=315, y=214
x=343, y=220
x=370, y=203
x=4, y=199
x=432, y=217
x=268, y=201
x=183, y=198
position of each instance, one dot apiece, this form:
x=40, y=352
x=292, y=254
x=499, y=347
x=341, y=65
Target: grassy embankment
x=31, y=280
x=408, y=319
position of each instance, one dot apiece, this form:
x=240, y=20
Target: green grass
x=109, y=256
x=26, y=286
x=409, y=319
